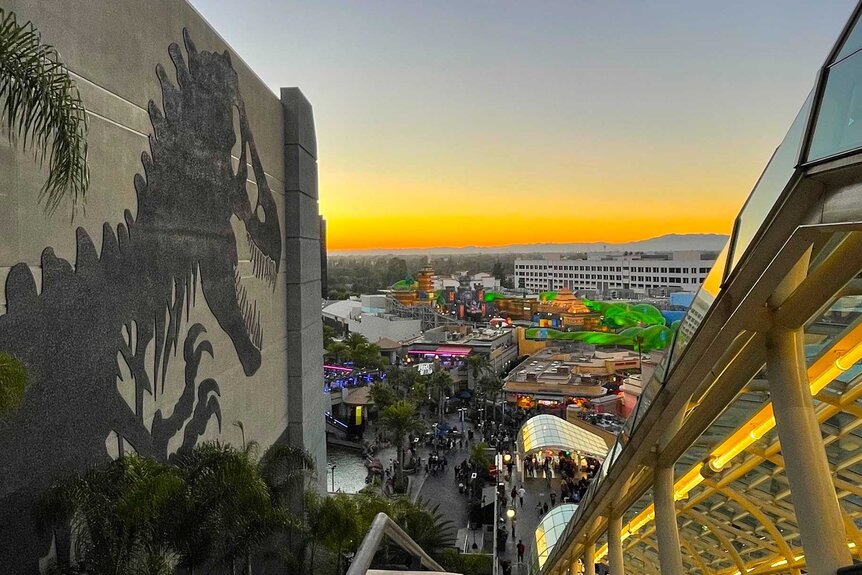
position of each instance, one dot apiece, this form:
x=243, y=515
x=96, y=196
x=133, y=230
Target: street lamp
x=510, y=513
x=332, y=467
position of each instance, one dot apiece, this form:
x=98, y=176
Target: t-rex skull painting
x=129, y=302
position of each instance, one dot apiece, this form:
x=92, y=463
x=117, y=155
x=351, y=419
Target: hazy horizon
x=469, y=123
x=674, y=242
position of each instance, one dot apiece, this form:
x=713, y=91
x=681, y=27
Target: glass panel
x=550, y=529
x=699, y=307
x=824, y=330
x=664, y=363
x=839, y=119
x=770, y=185
x=852, y=43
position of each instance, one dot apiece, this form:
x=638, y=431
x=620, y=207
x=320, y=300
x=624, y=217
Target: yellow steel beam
x=716, y=531
x=745, y=503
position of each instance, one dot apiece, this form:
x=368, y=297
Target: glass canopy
x=551, y=432
x=548, y=533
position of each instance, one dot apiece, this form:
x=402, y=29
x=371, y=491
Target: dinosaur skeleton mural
x=125, y=304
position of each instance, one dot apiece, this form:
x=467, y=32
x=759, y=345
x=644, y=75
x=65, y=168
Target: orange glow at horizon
x=434, y=216
x=421, y=199
x=419, y=232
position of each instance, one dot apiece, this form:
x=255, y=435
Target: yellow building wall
x=528, y=346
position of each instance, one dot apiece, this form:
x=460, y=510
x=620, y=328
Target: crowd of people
x=563, y=477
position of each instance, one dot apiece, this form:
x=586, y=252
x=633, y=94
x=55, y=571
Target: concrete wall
x=115, y=341
x=374, y=327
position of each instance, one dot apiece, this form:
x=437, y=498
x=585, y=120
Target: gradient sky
x=490, y=123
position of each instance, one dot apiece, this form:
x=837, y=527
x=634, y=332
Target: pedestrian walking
x=514, y=493
x=521, y=548
x=553, y=498
x=521, y=493
x=513, y=527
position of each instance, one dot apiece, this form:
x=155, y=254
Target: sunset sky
x=452, y=123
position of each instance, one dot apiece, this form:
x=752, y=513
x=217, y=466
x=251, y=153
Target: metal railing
x=382, y=526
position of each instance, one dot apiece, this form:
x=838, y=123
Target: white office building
x=606, y=273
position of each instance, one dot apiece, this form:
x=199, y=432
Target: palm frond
x=40, y=104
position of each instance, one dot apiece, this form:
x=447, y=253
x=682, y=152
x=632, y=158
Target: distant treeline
x=355, y=275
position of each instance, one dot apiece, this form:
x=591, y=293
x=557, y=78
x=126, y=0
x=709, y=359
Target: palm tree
x=117, y=516
x=403, y=379
x=477, y=364
x=328, y=336
x=418, y=392
x=424, y=524
x=441, y=386
x=41, y=106
x=354, y=340
x=490, y=387
x=227, y=509
x=339, y=519
x=399, y=419
x=314, y=526
x=382, y=395
x=366, y=355
x=339, y=351
x=286, y=469
x=479, y=456
x=217, y=504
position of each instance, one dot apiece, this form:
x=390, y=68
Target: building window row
x=633, y=269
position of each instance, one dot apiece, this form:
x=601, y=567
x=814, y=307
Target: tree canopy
x=215, y=504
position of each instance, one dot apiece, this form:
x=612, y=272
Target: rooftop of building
x=462, y=335
x=386, y=344
x=551, y=368
x=341, y=309
x=677, y=255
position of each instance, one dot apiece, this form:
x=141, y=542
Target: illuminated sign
x=425, y=368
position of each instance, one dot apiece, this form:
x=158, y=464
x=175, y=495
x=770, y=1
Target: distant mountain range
x=665, y=243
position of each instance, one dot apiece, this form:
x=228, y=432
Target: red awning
x=454, y=350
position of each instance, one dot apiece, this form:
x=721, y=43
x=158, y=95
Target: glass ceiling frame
x=773, y=518
x=554, y=433
x=713, y=501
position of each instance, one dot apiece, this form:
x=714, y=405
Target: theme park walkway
x=526, y=518
x=442, y=489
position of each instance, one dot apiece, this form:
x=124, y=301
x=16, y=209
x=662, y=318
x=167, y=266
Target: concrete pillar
x=590, y=559
x=615, y=545
x=304, y=373
x=818, y=513
x=667, y=533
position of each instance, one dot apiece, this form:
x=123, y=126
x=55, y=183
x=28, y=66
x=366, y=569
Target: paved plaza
x=442, y=490
x=527, y=518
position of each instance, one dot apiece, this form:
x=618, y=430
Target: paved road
x=442, y=489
